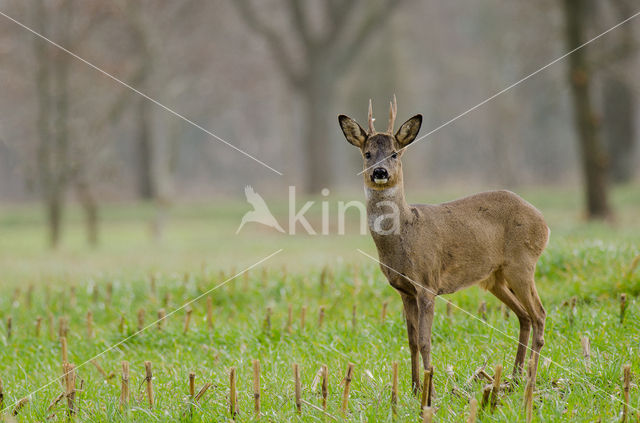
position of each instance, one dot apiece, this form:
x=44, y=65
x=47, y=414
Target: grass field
x=592, y=262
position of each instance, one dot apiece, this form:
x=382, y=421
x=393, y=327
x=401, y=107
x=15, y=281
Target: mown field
x=593, y=263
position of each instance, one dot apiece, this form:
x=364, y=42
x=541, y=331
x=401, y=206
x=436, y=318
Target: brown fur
x=493, y=239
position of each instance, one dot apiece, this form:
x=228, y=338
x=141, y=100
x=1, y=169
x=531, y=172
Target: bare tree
x=619, y=126
x=325, y=56
x=53, y=106
x=153, y=167
x=145, y=151
x=593, y=154
x=205, y=64
x=65, y=155
x=618, y=96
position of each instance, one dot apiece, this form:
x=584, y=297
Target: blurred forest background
x=271, y=76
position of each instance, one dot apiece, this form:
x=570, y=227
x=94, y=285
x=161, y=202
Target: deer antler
x=371, y=128
x=393, y=110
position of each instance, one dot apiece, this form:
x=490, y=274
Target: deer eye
x=394, y=155
x=367, y=155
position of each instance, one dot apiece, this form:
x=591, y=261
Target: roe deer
x=493, y=239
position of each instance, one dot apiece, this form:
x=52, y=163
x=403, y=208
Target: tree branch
x=275, y=41
x=300, y=23
x=624, y=44
x=619, y=52
x=338, y=12
x=97, y=14
x=363, y=34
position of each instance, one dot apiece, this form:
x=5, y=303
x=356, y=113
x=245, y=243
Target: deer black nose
x=380, y=173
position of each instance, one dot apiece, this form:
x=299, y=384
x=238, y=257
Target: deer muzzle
x=380, y=175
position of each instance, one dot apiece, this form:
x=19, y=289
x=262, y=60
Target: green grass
x=589, y=261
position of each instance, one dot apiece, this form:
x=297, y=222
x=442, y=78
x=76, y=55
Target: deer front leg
x=411, y=316
x=425, y=313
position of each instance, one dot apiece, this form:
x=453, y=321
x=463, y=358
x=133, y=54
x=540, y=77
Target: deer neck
x=382, y=205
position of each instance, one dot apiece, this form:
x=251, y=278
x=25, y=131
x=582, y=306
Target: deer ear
x=352, y=131
x=408, y=131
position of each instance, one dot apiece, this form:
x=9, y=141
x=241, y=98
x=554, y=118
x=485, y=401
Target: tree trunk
x=46, y=175
x=619, y=127
x=145, y=143
x=54, y=208
x=60, y=156
x=593, y=155
x=144, y=169
x=319, y=169
x=52, y=90
x=90, y=207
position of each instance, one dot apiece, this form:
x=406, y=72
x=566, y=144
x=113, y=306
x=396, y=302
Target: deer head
x=381, y=151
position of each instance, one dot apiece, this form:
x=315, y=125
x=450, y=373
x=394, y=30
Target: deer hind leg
x=411, y=316
x=523, y=286
x=500, y=290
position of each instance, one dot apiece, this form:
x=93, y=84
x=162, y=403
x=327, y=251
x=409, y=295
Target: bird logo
x=260, y=212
